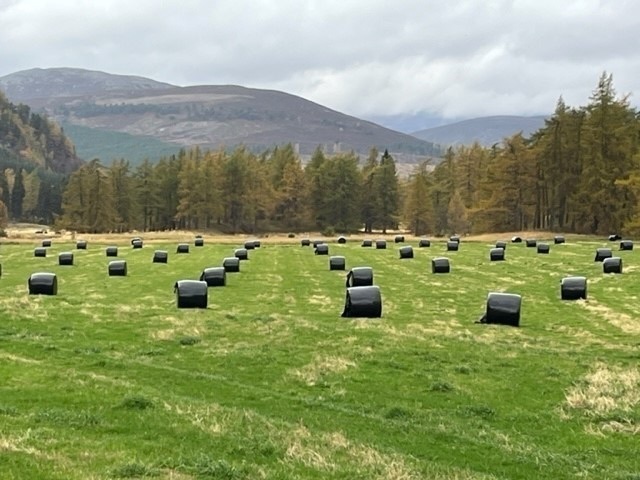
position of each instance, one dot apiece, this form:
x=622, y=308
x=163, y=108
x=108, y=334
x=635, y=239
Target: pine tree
x=369, y=207
x=387, y=197
x=418, y=207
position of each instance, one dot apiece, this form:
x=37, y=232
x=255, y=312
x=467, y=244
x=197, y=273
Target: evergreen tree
x=387, y=197
x=17, y=195
x=418, y=209
x=369, y=207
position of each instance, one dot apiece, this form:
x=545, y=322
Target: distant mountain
x=208, y=116
x=31, y=141
x=484, y=130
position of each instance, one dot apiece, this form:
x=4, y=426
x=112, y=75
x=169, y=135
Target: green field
x=109, y=379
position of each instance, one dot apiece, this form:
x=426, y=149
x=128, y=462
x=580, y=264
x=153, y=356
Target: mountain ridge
x=210, y=116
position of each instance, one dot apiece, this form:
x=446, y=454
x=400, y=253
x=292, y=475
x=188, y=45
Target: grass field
x=108, y=379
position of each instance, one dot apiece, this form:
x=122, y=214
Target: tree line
x=579, y=173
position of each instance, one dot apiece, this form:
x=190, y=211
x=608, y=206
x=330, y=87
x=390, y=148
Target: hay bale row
x=191, y=293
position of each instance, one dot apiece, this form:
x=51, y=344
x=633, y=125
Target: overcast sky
x=443, y=58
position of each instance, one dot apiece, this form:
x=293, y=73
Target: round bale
x=367, y=243
x=531, y=242
x=160, y=256
x=117, y=268
x=136, y=243
x=81, y=244
x=191, y=293
x=440, y=265
x=626, y=245
x=573, y=288
x=558, y=239
x=406, y=251
x=454, y=238
x=198, y=242
x=612, y=265
x=43, y=283
x=360, y=277
x=256, y=244
x=182, y=248
x=602, y=253
x=250, y=245
x=381, y=244
x=502, y=245
x=241, y=254
x=614, y=237
x=516, y=239
x=503, y=309
x=543, y=248
x=424, y=243
x=452, y=246
x=399, y=239
x=496, y=254
x=315, y=243
x=322, y=249
x=214, y=276
x=40, y=252
x=111, y=251
x=363, y=302
x=231, y=264
x=342, y=240
x=65, y=258
x=305, y=242
x=46, y=242
x=337, y=263
x=135, y=240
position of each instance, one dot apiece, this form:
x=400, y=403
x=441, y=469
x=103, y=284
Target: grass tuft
x=136, y=402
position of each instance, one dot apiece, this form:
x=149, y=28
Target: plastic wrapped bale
x=231, y=264
x=256, y=244
x=454, y=238
x=135, y=240
x=452, y=246
x=191, y=293
x=198, y=242
x=543, y=248
x=315, y=243
x=496, y=254
x=381, y=244
x=612, y=265
x=363, y=302
x=65, y=258
x=424, y=243
x=342, y=240
x=367, y=243
x=516, y=239
x=558, y=239
x=531, y=242
x=117, y=268
x=602, y=253
x=305, y=242
x=440, y=265
x=241, y=254
x=322, y=249
x=359, y=277
x=614, y=237
x=573, y=288
x=214, y=276
x=626, y=245
x=136, y=243
x=46, y=243
x=503, y=309
x=81, y=244
x=337, y=263
x=249, y=245
x=111, y=251
x=40, y=252
x=160, y=256
x=406, y=251
x=399, y=239
x=182, y=248
x=43, y=283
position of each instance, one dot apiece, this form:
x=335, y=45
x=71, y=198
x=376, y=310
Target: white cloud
x=452, y=59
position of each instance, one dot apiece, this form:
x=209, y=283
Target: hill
x=209, y=116
x=484, y=130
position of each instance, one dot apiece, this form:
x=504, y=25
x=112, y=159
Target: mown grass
x=108, y=379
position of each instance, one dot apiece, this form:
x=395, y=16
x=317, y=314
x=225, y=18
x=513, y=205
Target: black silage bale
x=46, y=242
x=502, y=245
x=43, y=283
x=342, y=240
x=406, y=251
x=81, y=245
x=65, y=258
x=503, y=309
x=496, y=254
x=214, y=276
x=612, y=265
x=315, y=243
x=381, y=244
x=160, y=256
x=516, y=239
x=367, y=243
x=558, y=239
x=40, y=252
x=117, y=268
x=398, y=239
x=359, y=277
x=602, y=253
x=198, y=242
x=543, y=248
x=191, y=293
x=231, y=264
x=337, y=262
x=626, y=245
x=424, y=243
x=321, y=249
x=363, y=302
x=136, y=243
x=454, y=238
x=440, y=265
x=111, y=251
x=453, y=246
x=614, y=237
x=250, y=245
x=531, y=242
x=241, y=254
x=305, y=242
x=573, y=288
x=182, y=248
